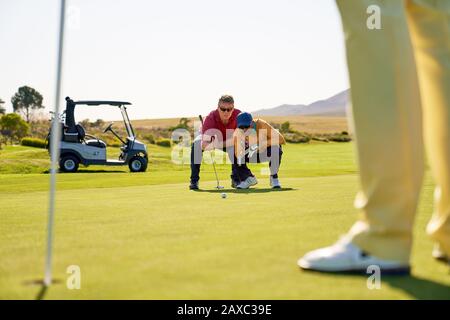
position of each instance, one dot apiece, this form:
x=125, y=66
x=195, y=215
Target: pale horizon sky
x=174, y=58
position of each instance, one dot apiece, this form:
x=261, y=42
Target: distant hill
x=334, y=106
x=310, y=124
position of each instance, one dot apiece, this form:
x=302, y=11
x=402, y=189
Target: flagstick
x=55, y=141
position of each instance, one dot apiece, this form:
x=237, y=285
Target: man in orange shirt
x=257, y=141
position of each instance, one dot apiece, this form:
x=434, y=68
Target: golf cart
x=79, y=147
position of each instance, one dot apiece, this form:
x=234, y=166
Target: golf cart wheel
x=69, y=163
x=137, y=164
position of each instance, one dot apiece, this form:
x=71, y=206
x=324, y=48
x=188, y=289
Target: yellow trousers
x=400, y=91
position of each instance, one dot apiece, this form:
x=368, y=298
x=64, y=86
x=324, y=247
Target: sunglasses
x=226, y=109
x=244, y=127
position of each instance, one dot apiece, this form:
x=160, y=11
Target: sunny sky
x=174, y=58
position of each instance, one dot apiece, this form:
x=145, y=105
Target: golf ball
x=223, y=195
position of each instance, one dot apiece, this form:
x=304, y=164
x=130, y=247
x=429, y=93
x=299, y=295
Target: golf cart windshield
x=127, y=122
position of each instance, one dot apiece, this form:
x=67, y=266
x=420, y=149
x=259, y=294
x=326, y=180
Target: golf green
x=146, y=236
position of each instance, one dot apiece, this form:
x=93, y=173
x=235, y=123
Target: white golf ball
x=223, y=195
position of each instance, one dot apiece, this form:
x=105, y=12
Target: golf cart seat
x=81, y=132
x=95, y=143
x=91, y=142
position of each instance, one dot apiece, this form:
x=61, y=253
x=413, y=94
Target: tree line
x=16, y=125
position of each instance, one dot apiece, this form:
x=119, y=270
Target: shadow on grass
x=244, y=191
x=42, y=292
x=43, y=287
x=101, y=170
x=90, y=171
x=418, y=288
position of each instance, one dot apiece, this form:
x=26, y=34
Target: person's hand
x=208, y=146
x=213, y=144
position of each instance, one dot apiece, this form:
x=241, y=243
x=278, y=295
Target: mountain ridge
x=334, y=106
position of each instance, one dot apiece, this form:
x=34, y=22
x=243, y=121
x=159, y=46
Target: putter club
x=219, y=187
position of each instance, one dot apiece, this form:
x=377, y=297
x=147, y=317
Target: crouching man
x=256, y=141
x=217, y=133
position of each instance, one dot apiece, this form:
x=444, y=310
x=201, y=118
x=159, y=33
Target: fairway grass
x=146, y=236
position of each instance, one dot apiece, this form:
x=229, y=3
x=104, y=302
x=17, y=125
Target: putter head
x=220, y=187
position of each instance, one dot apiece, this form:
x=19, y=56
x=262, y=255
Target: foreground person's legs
x=387, y=126
x=430, y=30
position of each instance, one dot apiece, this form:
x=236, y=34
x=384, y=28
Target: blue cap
x=244, y=119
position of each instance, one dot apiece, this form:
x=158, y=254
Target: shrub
x=321, y=139
x=285, y=127
x=340, y=137
x=34, y=142
x=182, y=124
x=99, y=123
x=12, y=126
x=85, y=124
x=150, y=138
x=163, y=142
x=297, y=137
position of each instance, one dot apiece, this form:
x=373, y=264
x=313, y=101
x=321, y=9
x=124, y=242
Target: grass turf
x=145, y=236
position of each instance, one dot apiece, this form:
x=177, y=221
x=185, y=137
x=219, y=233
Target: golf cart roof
x=69, y=120
x=97, y=103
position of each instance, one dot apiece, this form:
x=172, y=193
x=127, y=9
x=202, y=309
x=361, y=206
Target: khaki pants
x=400, y=90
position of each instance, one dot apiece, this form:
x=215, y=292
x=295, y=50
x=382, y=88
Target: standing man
x=399, y=73
x=217, y=133
x=257, y=141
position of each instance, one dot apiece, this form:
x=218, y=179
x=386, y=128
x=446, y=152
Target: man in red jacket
x=217, y=133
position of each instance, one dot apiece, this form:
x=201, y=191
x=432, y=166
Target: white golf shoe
x=247, y=183
x=275, y=183
x=347, y=257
